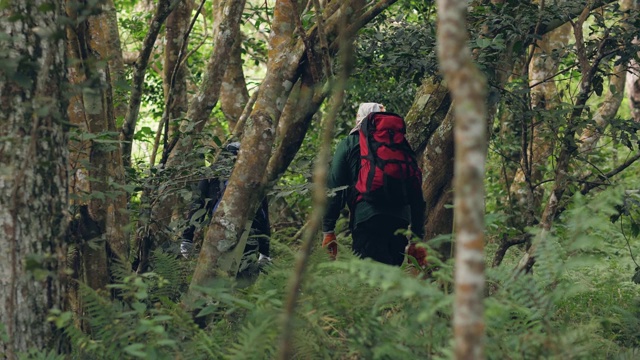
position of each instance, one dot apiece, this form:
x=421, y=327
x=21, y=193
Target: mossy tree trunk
x=429, y=131
x=33, y=179
x=245, y=185
x=99, y=220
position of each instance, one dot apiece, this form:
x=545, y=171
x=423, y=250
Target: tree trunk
x=303, y=103
x=525, y=194
x=96, y=163
x=175, y=74
x=438, y=164
x=179, y=152
x=33, y=180
x=633, y=89
x=245, y=185
x=568, y=144
x=234, y=94
x=633, y=76
x=110, y=49
x=225, y=35
x=611, y=104
x=468, y=90
x=430, y=133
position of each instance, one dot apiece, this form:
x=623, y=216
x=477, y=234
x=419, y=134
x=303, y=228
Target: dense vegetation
x=580, y=300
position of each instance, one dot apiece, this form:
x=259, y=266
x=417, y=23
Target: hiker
x=210, y=193
x=375, y=214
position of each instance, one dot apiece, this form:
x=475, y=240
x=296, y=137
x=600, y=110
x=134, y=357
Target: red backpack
x=389, y=173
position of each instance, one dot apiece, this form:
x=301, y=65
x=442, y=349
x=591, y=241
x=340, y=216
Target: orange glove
x=331, y=244
x=419, y=253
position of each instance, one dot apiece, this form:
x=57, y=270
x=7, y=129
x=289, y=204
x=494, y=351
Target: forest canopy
x=523, y=116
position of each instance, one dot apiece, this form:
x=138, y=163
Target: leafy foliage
x=579, y=303
x=576, y=305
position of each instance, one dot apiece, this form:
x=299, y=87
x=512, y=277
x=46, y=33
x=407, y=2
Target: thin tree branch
x=163, y=10
x=308, y=45
x=237, y=131
x=506, y=244
x=322, y=36
x=590, y=185
x=170, y=96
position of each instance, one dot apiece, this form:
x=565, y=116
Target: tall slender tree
x=468, y=90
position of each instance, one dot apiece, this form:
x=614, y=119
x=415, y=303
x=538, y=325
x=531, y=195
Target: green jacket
x=344, y=172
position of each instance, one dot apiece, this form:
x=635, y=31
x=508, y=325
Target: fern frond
x=171, y=274
x=255, y=340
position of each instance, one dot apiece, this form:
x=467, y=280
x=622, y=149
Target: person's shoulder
x=351, y=139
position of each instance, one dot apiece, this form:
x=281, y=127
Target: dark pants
x=375, y=239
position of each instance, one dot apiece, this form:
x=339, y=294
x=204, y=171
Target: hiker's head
x=364, y=110
x=233, y=147
x=228, y=155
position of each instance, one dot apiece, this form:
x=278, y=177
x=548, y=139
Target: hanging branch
x=590, y=185
x=163, y=10
x=369, y=15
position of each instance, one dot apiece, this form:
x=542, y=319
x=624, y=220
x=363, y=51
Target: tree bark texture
x=234, y=94
x=606, y=112
x=468, y=90
x=437, y=186
x=92, y=109
x=175, y=73
x=33, y=175
x=633, y=75
x=97, y=226
x=302, y=104
x=111, y=50
x=430, y=133
x=633, y=89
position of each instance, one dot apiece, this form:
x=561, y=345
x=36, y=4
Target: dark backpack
x=388, y=174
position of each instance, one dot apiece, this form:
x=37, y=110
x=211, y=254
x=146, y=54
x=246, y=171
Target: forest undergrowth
x=579, y=303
